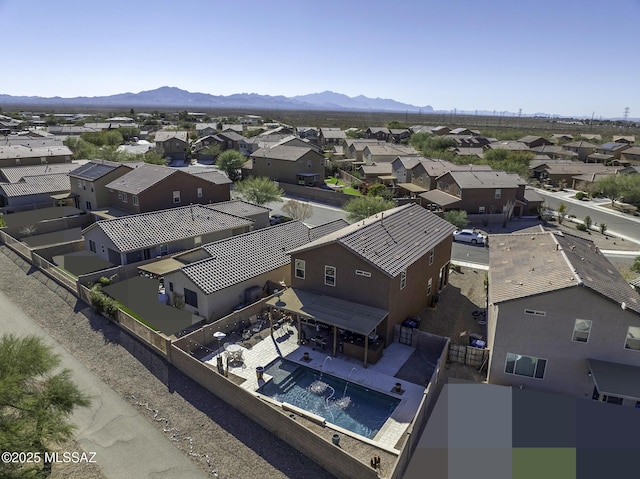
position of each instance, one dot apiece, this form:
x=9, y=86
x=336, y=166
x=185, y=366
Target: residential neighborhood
x=263, y=294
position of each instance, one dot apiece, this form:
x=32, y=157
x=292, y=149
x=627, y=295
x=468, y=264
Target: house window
x=79, y=183
x=481, y=210
x=403, y=278
x=102, y=246
x=92, y=246
x=330, y=275
x=190, y=298
x=197, y=241
x=429, y=285
x=525, y=366
x=124, y=197
x=176, y=197
x=459, y=191
x=633, y=338
x=309, y=163
x=164, y=250
x=498, y=193
x=199, y=192
x=533, y=312
x=170, y=286
x=431, y=254
x=88, y=205
x=120, y=195
x=299, y=264
x=581, y=330
x=134, y=200
x=366, y=274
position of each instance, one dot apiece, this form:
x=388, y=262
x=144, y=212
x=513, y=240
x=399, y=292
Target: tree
x=259, y=190
x=457, y=218
x=562, y=212
x=35, y=402
x=365, y=206
x=603, y=228
x=297, y=210
x=381, y=190
x=635, y=267
x=231, y=162
x=610, y=186
x=588, y=222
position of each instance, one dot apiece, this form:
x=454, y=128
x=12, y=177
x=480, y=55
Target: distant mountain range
x=171, y=97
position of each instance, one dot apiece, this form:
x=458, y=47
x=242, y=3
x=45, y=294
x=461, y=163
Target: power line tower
x=627, y=110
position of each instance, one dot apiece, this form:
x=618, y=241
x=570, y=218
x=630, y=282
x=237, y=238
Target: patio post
x=366, y=349
x=271, y=320
x=299, y=328
x=335, y=341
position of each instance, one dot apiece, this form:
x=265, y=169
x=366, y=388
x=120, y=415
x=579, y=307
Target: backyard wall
x=318, y=448
x=315, y=194
x=53, y=225
x=48, y=252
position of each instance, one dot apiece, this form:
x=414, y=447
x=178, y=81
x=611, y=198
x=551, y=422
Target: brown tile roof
x=527, y=264
x=164, y=135
x=141, y=178
x=392, y=240
x=486, y=179
x=282, y=152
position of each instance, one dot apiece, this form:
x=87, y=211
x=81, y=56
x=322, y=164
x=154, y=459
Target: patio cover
x=440, y=198
x=615, y=379
x=64, y=196
x=161, y=267
x=412, y=188
x=355, y=317
x=387, y=177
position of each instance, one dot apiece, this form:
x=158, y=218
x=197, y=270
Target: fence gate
x=476, y=357
x=406, y=335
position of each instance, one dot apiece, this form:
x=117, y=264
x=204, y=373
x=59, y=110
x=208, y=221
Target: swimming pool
x=340, y=402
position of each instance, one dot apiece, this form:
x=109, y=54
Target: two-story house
x=582, y=148
x=386, y=152
x=379, y=133
x=393, y=262
x=21, y=155
x=631, y=155
x=89, y=180
x=174, y=144
x=479, y=192
x=561, y=319
x=289, y=164
x=331, y=136
x=154, y=187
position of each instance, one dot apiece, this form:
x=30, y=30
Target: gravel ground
x=214, y=434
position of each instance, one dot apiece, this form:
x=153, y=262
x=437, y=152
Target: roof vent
x=623, y=305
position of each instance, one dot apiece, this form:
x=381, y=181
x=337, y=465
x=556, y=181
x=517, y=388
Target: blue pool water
x=340, y=402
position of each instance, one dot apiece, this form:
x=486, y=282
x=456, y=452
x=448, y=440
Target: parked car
x=469, y=236
x=275, y=219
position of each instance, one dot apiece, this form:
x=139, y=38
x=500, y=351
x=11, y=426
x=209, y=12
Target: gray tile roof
x=144, y=230
x=141, y=178
x=95, y=169
x=212, y=175
x=13, y=174
x=528, y=264
x=391, y=149
x=37, y=185
x=486, y=179
x=238, y=208
x=287, y=153
x=390, y=241
x=20, y=151
x=245, y=256
x=322, y=230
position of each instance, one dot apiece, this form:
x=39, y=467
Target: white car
x=469, y=236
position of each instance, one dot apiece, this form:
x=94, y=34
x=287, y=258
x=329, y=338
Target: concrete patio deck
x=379, y=376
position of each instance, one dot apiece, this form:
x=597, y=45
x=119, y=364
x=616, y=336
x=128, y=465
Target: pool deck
x=379, y=376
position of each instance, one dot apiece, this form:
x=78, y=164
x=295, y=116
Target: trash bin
x=336, y=439
x=259, y=372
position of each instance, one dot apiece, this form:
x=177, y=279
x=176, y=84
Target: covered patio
x=615, y=382
x=352, y=326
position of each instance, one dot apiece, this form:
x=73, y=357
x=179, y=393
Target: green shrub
x=580, y=195
x=103, y=303
x=581, y=227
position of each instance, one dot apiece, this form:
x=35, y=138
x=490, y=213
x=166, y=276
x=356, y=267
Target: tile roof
x=390, y=241
x=141, y=178
x=528, y=264
x=509, y=145
x=212, y=175
x=238, y=208
x=486, y=179
x=13, y=174
x=391, y=149
x=579, y=144
x=322, y=230
x=573, y=168
x=381, y=169
x=282, y=152
x=20, y=151
x=37, y=185
x=164, y=135
x=246, y=256
x=333, y=133
x=139, y=231
x=554, y=149
x=95, y=169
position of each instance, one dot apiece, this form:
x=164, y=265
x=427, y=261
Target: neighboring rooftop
x=37, y=185
x=392, y=240
x=282, y=152
x=14, y=174
x=134, y=232
x=486, y=179
x=141, y=178
x=527, y=264
x=96, y=169
x=238, y=208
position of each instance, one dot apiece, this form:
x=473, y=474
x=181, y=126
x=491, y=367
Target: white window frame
x=432, y=253
x=197, y=241
x=481, y=210
x=578, y=333
x=299, y=267
x=124, y=197
x=134, y=200
x=92, y=246
x=520, y=357
x=403, y=279
x=164, y=250
x=498, y=193
x=120, y=195
x=176, y=197
x=199, y=192
x=429, y=286
x=534, y=312
x=635, y=336
x=366, y=274
x=330, y=272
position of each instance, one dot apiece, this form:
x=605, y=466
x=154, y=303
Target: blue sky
x=554, y=57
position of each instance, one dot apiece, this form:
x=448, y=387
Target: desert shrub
x=581, y=227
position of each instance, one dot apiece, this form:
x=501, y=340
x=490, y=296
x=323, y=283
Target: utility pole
x=627, y=110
